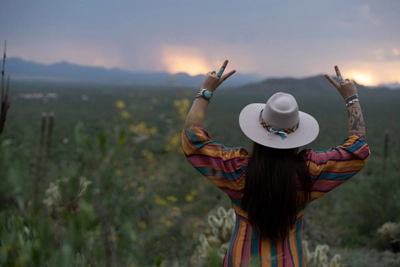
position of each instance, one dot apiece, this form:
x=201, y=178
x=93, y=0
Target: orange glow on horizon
x=182, y=59
x=362, y=78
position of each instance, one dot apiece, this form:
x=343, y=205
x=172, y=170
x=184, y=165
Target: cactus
x=390, y=232
x=222, y=223
x=319, y=257
x=59, y=200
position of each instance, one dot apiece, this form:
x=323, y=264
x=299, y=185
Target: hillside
x=20, y=69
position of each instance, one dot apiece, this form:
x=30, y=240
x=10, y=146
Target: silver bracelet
x=351, y=98
x=205, y=94
x=351, y=102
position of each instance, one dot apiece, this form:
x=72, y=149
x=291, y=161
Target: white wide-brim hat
x=278, y=123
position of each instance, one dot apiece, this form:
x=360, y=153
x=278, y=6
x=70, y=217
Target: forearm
x=197, y=112
x=210, y=83
x=356, y=124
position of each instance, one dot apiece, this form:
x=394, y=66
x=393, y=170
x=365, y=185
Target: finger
x=335, y=83
x=225, y=64
x=337, y=71
x=227, y=75
x=222, y=69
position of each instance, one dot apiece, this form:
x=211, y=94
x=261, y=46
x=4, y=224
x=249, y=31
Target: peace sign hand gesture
x=213, y=80
x=345, y=87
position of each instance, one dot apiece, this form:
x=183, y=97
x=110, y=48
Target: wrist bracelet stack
x=205, y=94
x=351, y=100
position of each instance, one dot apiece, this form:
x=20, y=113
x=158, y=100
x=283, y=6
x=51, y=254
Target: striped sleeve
x=223, y=166
x=330, y=168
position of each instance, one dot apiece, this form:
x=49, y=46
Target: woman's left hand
x=214, y=79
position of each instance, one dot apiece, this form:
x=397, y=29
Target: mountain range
x=20, y=69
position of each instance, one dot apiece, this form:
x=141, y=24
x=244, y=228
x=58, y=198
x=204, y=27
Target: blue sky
x=270, y=38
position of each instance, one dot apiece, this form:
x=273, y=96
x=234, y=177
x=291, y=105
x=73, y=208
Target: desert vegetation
x=96, y=177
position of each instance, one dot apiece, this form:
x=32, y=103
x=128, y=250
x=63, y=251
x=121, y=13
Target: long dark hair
x=271, y=195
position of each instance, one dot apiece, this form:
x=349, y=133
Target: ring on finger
x=221, y=71
x=340, y=79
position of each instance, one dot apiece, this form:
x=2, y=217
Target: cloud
x=387, y=54
x=366, y=15
x=270, y=38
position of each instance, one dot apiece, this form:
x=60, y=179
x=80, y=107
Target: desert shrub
x=146, y=205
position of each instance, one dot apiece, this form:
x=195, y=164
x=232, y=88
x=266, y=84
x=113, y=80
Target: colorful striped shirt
x=226, y=168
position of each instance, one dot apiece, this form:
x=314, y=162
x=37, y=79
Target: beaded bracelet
x=351, y=102
x=351, y=98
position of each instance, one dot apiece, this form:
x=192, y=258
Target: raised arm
x=210, y=84
x=348, y=91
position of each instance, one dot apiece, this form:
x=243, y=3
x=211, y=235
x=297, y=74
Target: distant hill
x=315, y=84
x=20, y=69
x=63, y=71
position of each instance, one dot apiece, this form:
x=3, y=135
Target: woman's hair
x=271, y=193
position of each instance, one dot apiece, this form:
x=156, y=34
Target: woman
x=270, y=188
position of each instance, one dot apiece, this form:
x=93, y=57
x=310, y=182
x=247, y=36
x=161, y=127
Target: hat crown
x=281, y=114
x=281, y=111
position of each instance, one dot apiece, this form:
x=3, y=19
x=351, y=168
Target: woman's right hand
x=345, y=87
x=212, y=79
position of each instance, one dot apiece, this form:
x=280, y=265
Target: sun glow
x=183, y=59
x=362, y=78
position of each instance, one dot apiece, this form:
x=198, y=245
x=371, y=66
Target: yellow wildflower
x=197, y=224
x=189, y=198
x=119, y=172
x=121, y=141
x=142, y=129
x=160, y=201
x=173, y=142
x=140, y=189
x=182, y=107
x=176, y=211
x=125, y=114
x=172, y=199
x=148, y=155
x=143, y=224
x=120, y=104
x=153, y=130
x=165, y=221
x=207, y=232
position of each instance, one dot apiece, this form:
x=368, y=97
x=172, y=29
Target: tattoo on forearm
x=356, y=122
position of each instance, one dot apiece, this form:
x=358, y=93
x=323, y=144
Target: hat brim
x=249, y=123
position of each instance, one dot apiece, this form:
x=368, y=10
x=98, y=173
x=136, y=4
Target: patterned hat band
x=282, y=132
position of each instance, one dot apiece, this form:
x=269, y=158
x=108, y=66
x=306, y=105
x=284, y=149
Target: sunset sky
x=287, y=38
